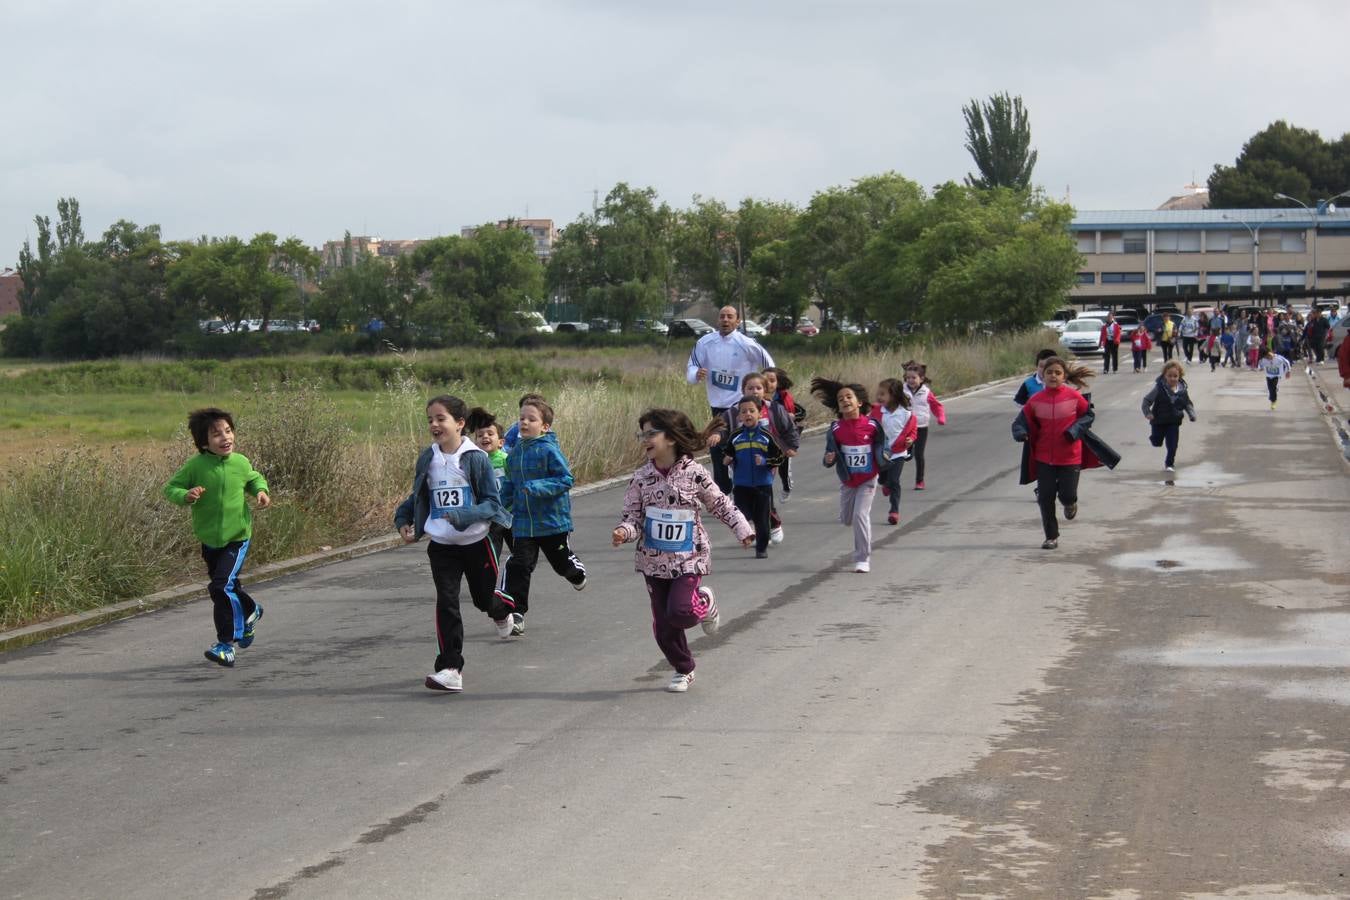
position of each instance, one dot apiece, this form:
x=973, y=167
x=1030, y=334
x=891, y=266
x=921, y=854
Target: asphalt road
x=1161, y=707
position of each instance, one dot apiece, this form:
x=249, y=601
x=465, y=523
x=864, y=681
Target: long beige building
x=1211, y=251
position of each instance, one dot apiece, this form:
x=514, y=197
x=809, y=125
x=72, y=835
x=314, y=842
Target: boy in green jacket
x=214, y=483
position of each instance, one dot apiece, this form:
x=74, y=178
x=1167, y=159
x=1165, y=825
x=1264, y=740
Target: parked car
x=695, y=328
x=754, y=329
x=781, y=325
x=1059, y=319
x=1092, y=314
x=1129, y=323
x=571, y=327
x=807, y=327
x=655, y=326
x=1080, y=336
x=843, y=326
x=601, y=326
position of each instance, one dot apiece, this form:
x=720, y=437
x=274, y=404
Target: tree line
x=882, y=250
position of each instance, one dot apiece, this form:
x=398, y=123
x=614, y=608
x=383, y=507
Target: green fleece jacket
x=221, y=514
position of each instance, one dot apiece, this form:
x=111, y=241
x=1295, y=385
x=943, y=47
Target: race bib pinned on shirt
x=669, y=530
x=446, y=496
x=857, y=458
x=727, y=381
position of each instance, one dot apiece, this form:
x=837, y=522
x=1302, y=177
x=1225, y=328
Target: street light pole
x=1256, y=244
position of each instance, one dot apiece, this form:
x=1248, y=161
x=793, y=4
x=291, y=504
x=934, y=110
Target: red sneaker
x=918, y=485
x=893, y=519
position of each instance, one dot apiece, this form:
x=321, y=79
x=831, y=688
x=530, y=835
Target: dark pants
x=1273, y=388
x=231, y=605
x=721, y=474
x=755, y=504
x=475, y=564
x=786, y=475
x=919, y=443
x=1055, y=482
x=1167, y=350
x=1318, y=347
x=525, y=556
x=676, y=605
x=1111, y=357
x=1166, y=434
x=1188, y=347
x=890, y=478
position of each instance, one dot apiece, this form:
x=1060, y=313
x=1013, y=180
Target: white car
x=754, y=329
x=1081, y=336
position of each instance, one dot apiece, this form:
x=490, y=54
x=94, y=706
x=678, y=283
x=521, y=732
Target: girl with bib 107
x=661, y=513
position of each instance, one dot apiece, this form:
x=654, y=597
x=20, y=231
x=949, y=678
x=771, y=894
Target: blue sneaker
x=247, y=639
x=221, y=654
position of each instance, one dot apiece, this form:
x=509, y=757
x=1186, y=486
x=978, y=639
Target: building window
x=1176, y=242
x=1113, y=242
x=1122, y=278
x=1283, y=281
x=1227, y=282
x=1134, y=241
x=1217, y=241
x=1177, y=283
x=1087, y=277
x=1087, y=242
x=1284, y=242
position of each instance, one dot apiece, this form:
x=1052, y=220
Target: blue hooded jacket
x=537, y=488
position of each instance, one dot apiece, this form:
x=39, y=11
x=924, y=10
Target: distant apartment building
x=333, y=252
x=541, y=231
x=10, y=284
x=1211, y=251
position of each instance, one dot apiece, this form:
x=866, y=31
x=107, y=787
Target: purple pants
x=676, y=605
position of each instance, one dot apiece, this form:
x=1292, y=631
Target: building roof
x=1186, y=219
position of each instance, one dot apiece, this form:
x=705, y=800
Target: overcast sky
x=409, y=119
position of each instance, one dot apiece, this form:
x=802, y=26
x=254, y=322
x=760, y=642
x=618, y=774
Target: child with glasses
x=661, y=513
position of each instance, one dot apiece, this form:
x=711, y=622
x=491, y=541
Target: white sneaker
x=712, y=619
x=776, y=536
x=580, y=585
x=679, y=683
x=1170, y=468
x=446, y=680
x=862, y=567
x=517, y=625
x=505, y=626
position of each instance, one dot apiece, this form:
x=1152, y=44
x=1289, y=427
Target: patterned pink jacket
x=686, y=486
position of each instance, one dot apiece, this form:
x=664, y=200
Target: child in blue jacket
x=536, y=490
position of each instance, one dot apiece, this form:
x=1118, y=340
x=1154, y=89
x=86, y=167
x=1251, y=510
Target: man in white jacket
x=721, y=360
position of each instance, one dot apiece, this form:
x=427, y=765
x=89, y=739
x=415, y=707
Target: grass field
x=85, y=448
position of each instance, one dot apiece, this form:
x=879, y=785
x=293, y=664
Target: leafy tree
x=998, y=138
x=1282, y=158
x=777, y=286
x=617, y=261
x=714, y=245
x=828, y=238
x=492, y=274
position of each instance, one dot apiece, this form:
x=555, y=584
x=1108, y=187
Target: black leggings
x=1273, y=387
x=525, y=556
x=1055, y=482
x=919, y=443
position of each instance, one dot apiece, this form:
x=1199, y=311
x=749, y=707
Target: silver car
x=1081, y=336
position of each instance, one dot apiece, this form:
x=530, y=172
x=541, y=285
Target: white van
x=535, y=321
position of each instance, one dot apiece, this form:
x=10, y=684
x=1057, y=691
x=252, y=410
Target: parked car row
x=276, y=326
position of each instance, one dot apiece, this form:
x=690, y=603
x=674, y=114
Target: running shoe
x=1050, y=544
x=222, y=654
x=517, y=625
x=776, y=535
x=862, y=567
x=918, y=485
x=505, y=626
x=712, y=618
x=1170, y=468
x=579, y=585
x=449, y=680
x=1071, y=510
x=247, y=639
x=761, y=554
x=892, y=518
x=786, y=496
x=679, y=682
x=1272, y=404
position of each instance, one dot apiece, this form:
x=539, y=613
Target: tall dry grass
x=79, y=529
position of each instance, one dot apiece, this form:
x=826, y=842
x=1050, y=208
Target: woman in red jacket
x=1056, y=418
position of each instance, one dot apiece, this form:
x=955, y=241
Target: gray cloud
x=408, y=119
